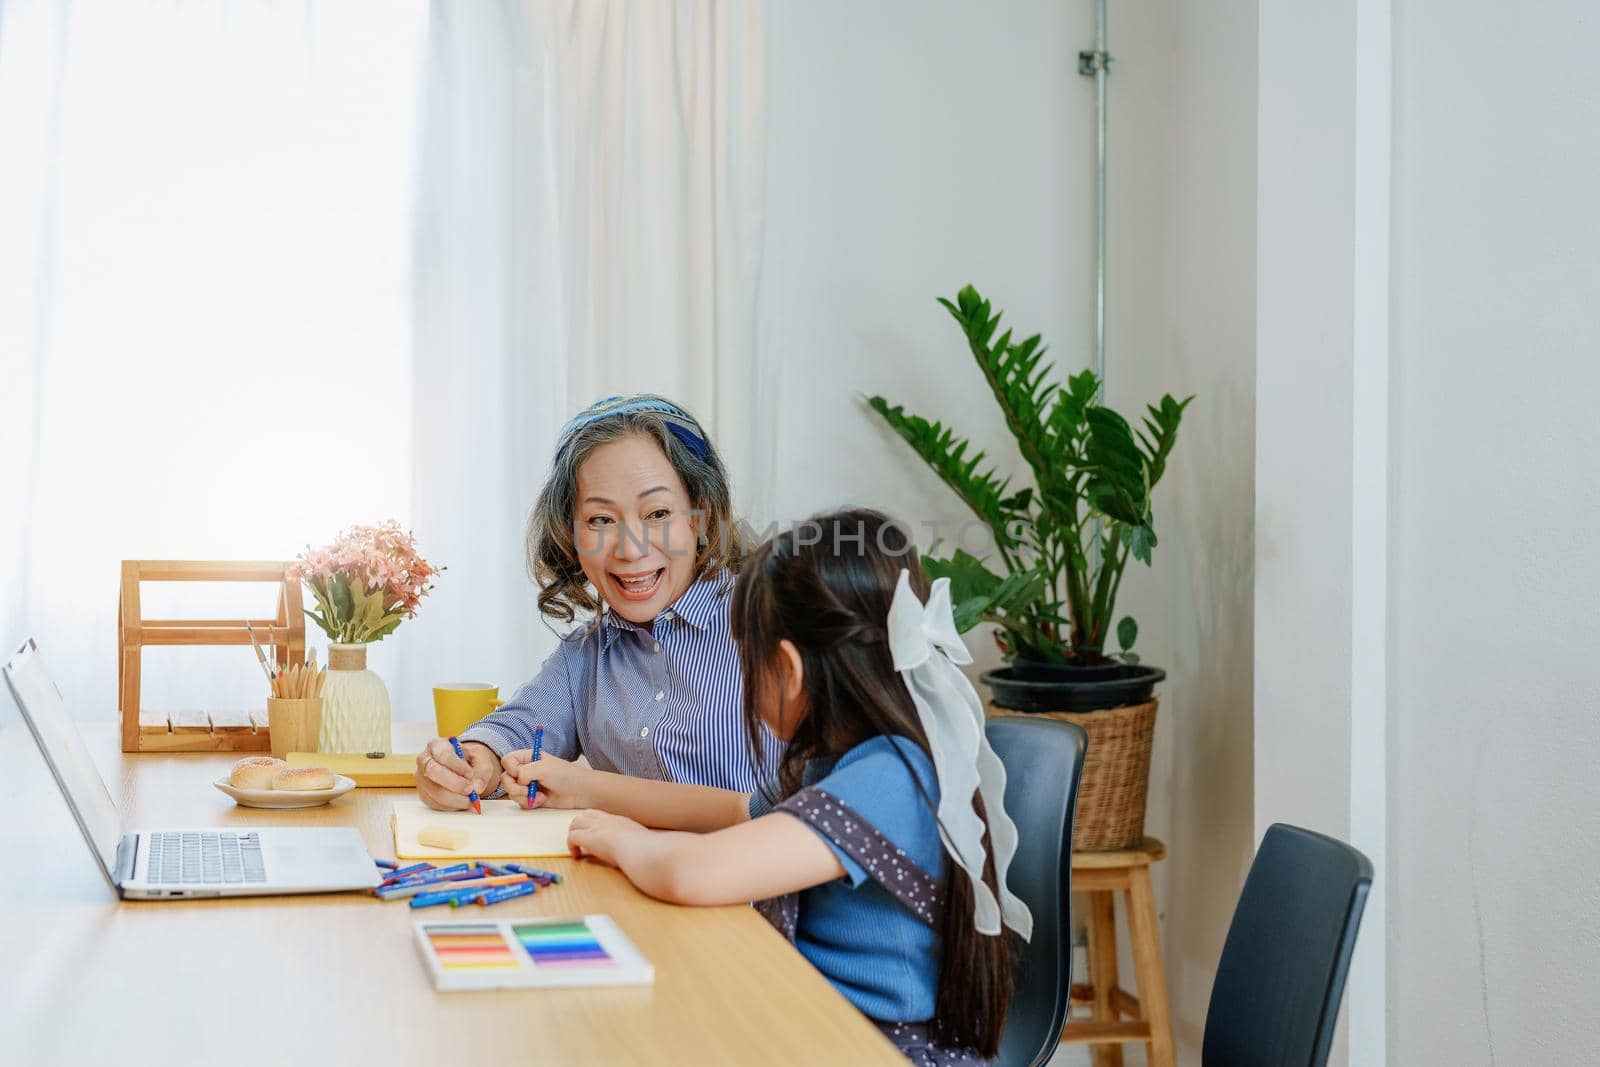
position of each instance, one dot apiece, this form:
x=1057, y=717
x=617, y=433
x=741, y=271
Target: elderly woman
x=635, y=529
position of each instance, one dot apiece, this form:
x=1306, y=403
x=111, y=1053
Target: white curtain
x=588, y=223
x=32, y=46
x=247, y=298
x=204, y=310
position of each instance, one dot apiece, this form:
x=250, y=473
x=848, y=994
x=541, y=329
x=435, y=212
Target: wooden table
x=335, y=979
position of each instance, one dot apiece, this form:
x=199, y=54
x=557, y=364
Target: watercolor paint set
x=582, y=950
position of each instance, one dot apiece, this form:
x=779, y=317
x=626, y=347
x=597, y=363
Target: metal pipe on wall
x=1097, y=64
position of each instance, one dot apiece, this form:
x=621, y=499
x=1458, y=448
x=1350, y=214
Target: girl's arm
x=669, y=805
x=755, y=860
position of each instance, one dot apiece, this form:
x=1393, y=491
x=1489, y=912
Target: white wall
x=1182, y=309
x=1487, y=681
x=914, y=147
x=1495, y=685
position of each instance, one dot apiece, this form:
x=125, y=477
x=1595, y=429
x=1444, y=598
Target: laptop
x=167, y=864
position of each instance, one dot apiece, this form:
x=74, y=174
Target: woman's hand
x=562, y=783
x=444, y=779
x=601, y=836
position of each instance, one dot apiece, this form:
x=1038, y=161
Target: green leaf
x=368, y=617
x=1162, y=423
x=1017, y=593
x=358, y=613
x=1127, y=632
x=326, y=619
x=388, y=627
x=1115, y=484
x=968, y=613
x=978, y=594
x=1083, y=387
x=968, y=298
x=326, y=627
x=1018, y=501
x=339, y=597
x=982, y=490
x=969, y=578
x=1141, y=539
x=1017, y=379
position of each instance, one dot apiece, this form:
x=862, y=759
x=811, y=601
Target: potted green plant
x=1060, y=545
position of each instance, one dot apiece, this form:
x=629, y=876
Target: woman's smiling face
x=636, y=531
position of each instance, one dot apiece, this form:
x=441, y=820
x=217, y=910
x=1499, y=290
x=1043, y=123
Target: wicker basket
x=1116, y=774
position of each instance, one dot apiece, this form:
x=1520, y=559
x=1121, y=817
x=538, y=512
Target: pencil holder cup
x=294, y=725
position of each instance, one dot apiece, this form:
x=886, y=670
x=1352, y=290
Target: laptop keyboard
x=205, y=858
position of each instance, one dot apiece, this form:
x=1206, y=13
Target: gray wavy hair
x=551, y=545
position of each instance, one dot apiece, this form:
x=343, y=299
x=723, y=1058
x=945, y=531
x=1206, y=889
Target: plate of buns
x=266, y=782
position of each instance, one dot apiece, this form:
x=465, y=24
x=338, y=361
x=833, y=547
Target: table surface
x=335, y=978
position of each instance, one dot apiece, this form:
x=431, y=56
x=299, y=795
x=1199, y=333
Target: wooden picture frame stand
x=200, y=731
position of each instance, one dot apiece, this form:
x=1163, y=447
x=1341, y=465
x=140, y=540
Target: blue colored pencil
x=506, y=892
x=406, y=872
x=387, y=865
x=442, y=874
x=532, y=872
x=538, y=748
x=477, y=807
x=445, y=896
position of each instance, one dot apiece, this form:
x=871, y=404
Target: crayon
x=443, y=896
x=534, y=873
x=507, y=892
x=400, y=892
x=473, y=796
x=538, y=749
x=406, y=872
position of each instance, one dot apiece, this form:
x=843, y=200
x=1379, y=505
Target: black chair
x=1281, y=977
x=1044, y=762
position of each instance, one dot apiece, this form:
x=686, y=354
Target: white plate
x=286, y=798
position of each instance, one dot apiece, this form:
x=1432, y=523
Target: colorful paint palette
x=463, y=947
x=583, y=950
x=562, y=944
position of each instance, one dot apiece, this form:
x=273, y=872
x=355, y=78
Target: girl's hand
x=562, y=783
x=599, y=835
x=444, y=780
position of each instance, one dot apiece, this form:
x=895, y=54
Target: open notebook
x=505, y=830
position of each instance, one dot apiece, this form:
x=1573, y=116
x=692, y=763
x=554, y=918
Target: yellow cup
x=458, y=705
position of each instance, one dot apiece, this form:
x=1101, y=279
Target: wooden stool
x=1116, y=1015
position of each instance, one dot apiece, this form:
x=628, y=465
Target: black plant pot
x=1028, y=685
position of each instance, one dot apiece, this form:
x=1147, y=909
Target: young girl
x=635, y=529
x=871, y=839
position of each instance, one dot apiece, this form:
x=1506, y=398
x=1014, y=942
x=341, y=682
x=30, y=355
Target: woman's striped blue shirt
x=663, y=701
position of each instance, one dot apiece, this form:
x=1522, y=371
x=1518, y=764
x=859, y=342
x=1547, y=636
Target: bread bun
x=303, y=778
x=254, y=772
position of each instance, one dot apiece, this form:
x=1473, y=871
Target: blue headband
x=678, y=421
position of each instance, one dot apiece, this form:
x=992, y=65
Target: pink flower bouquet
x=366, y=583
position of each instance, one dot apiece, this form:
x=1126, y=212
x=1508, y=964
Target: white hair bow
x=926, y=650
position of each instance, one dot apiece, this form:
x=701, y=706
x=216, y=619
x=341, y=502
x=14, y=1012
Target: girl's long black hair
x=826, y=585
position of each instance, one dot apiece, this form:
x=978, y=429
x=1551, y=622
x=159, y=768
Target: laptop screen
x=86, y=794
